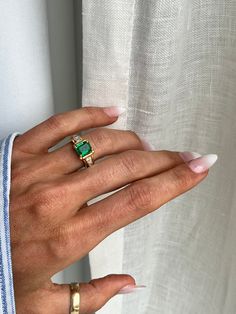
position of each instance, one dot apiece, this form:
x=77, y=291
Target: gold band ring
x=83, y=149
x=74, y=298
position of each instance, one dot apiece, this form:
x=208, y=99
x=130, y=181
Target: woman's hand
x=51, y=224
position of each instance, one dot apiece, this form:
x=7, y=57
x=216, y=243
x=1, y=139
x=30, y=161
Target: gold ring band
x=74, y=298
x=83, y=149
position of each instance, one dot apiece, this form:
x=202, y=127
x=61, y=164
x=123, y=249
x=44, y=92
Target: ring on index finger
x=83, y=149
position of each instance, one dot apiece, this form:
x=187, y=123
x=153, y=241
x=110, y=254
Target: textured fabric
x=7, y=303
x=172, y=64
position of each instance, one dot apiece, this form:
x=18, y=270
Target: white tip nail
x=120, y=110
x=114, y=111
x=131, y=289
x=187, y=156
x=203, y=163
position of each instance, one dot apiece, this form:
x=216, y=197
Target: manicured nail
x=114, y=111
x=131, y=289
x=146, y=145
x=187, y=156
x=203, y=163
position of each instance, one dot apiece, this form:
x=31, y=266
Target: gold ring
x=74, y=298
x=83, y=149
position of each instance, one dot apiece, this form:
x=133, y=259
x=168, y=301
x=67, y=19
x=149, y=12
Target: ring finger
x=104, y=142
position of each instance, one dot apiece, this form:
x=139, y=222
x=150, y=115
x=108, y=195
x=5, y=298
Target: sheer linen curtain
x=172, y=63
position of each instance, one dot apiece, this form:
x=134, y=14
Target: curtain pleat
x=172, y=63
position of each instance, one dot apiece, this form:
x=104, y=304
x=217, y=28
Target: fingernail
x=131, y=289
x=146, y=145
x=114, y=111
x=187, y=156
x=203, y=163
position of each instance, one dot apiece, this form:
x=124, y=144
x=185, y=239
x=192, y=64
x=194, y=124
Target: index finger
x=48, y=133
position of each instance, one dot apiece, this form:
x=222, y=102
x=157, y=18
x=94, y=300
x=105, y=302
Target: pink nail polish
x=146, y=145
x=203, y=163
x=114, y=111
x=131, y=289
x=187, y=156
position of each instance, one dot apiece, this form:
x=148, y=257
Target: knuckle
x=16, y=173
x=96, y=296
x=131, y=162
x=56, y=122
x=133, y=134
x=172, y=157
x=135, y=138
x=16, y=143
x=59, y=244
x=100, y=137
x=20, y=177
x=16, y=150
x=16, y=202
x=95, y=291
x=46, y=198
x=95, y=181
x=140, y=196
x=91, y=114
x=101, y=221
x=183, y=178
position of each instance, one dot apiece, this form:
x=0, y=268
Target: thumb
x=55, y=298
x=98, y=292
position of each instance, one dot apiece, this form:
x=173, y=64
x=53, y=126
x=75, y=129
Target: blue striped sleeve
x=7, y=303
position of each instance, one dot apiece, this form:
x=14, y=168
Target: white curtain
x=172, y=63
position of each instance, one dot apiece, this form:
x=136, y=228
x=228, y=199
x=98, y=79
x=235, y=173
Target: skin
x=51, y=224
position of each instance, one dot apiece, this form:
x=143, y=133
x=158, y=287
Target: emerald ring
x=83, y=149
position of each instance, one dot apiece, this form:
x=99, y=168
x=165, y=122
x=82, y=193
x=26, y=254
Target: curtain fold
x=173, y=65
x=107, y=41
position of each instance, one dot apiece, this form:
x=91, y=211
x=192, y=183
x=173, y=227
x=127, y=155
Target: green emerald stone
x=83, y=148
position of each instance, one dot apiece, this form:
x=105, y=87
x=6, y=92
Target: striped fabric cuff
x=7, y=303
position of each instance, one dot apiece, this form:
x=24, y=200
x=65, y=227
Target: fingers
x=104, y=142
x=50, y=132
x=98, y=292
x=144, y=196
x=129, y=204
x=93, y=295
x=115, y=172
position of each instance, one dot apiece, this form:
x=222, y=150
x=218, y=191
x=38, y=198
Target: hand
x=51, y=224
